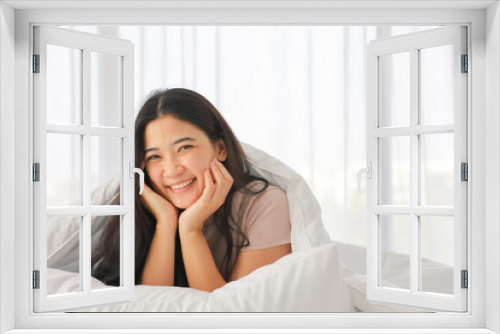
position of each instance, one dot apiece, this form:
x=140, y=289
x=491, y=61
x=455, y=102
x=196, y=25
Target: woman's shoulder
x=258, y=188
x=266, y=217
x=256, y=194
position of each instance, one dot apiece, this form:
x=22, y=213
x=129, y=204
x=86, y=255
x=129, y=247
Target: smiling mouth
x=183, y=184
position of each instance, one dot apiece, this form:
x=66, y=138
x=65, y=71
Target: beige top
x=265, y=222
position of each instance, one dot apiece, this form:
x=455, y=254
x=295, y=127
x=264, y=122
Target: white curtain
x=298, y=93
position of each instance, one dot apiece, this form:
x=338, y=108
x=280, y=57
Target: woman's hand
x=218, y=183
x=162, y=209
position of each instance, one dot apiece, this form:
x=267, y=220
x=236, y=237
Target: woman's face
x=176, y=155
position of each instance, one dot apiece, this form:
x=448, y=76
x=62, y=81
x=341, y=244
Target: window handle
x=138, y=171
x=368, y=171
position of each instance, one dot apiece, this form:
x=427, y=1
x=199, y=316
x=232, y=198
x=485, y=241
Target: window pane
x=437, y=254
x=105, y=156
x=63, y=233
x=394, y=90
x=106, y=244
x=105, y=89
x=394, y=251
x=436, y=85
x=437, y=172
x=64, y=87
x=394, y=170
x=63, y=170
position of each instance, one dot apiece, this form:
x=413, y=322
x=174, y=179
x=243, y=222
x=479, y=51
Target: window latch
x=133, y=170
x=368, y=172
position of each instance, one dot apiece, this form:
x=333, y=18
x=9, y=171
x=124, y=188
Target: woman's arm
x=201, y=271
x=249, y=260
x=159, y=267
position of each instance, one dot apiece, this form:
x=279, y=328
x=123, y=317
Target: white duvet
x=318, y=276
x=304, y=281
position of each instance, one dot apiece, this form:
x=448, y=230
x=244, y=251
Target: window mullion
x=85, y=234
x=86, y=125
x=82, y=130
x=445, y=211
x=414, y=171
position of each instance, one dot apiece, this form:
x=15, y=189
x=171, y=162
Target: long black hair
x=191, y=107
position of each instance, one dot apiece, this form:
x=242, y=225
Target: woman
x=202, y=220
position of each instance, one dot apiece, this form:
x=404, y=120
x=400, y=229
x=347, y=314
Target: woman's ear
x=220, y=150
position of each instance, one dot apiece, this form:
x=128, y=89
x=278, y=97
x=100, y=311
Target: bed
x=320, y=275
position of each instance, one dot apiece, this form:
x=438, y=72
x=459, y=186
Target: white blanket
x=329, y=278
x=304, y=281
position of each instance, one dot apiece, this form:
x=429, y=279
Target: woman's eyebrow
x=182, y=139
x=150, y=149
x=173, y=144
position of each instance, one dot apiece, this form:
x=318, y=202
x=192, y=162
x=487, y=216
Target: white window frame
x=123, y=50
x=412, y=44
x=483, y=145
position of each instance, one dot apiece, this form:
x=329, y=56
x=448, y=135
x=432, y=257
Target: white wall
x=7, y=124
x=492, y=163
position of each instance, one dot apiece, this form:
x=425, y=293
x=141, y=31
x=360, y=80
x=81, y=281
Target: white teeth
x=182, y=185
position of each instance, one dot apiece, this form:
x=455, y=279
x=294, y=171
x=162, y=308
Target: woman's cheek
x=153, y=173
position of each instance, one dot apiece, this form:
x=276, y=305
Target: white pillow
x=304, y=281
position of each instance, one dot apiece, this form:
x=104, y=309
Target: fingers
x=146, y=197
x=220, y=179
x=223, y=180
x=209, y=182
x=225, y=174
x=146, y=190
x=218, y=182
x=221, y=174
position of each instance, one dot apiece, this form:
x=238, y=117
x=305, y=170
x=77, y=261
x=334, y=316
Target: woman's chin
x=183, y=204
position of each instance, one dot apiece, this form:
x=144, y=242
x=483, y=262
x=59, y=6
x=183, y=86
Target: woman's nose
x=171, y=167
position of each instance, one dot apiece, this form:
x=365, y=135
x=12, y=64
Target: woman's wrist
x=167, y=223
x=186, y=232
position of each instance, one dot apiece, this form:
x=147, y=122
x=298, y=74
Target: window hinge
x=36, y=172
x=36, y=63
x=464, y=171
x=465, y=64
x=465, y=279
x=36, y=279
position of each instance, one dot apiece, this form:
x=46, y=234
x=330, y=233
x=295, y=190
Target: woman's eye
x=183, y=148
x=151, y=157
